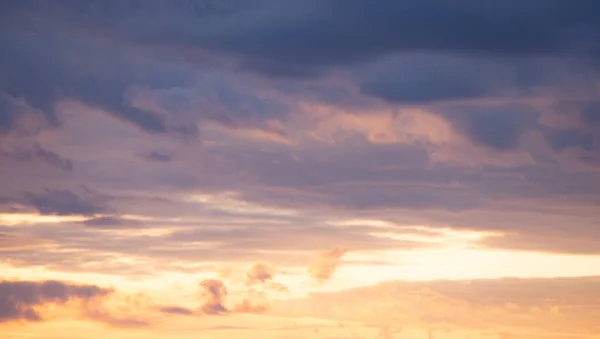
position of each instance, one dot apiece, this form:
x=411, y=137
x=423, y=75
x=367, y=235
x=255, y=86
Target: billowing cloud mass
x=259, y=273
x=213, y=293
x=19, y=300
x=274, y=150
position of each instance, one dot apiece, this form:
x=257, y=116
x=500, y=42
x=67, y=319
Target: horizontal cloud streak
x=546, y=306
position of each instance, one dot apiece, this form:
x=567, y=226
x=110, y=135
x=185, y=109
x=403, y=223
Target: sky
x=315, y=169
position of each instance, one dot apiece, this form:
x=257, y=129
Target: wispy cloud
x=325, y=264
x=212, y=294
x=259, y=273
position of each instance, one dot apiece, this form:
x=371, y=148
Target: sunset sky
x=300, y=169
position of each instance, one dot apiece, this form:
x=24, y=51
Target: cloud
x=213, y=293
x=7, y=115
x=382, y=181
x=101, y=82
x=262, y=275
x=157, y=156
x=66, y=202
x=386, y=333
x=16, y=116
x=19, y=299
x=19, y=126
x=590, y=113
x=259, y=273
x=151, y=243
x=498, y=128
x=562, y=139
x=301, y=38
x=38, y=153
x=158, y=95
x=325, y=264
x=408, y=123
x=294, y=236
x=176, y=310
x=416, y=78
x=18, y=241
x=113, y=222
x=573, y=124
x=218, y=98
x=28, y=300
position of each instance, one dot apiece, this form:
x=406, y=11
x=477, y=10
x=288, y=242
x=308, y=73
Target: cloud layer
x=149, y=144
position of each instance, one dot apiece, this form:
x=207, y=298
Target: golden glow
x=12, y=219
x=230, y=202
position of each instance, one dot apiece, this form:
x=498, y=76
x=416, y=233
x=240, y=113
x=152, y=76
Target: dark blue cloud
x=66, y=202
x=282, y=36
x=423, y=88
x=495, y=127
x=494, y=130
x=297, y=39
x=590, y=114
x=39, y=154
x=176, y=310
x=422, y=79
x=43, y=69
x=416, y=78
x=113, y=222
x=8, y=114
x=561, y=139
x=157, y=156
x=315, y=33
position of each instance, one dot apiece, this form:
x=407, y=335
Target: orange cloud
x=325, y=265
x=213, y=293
x=214, y=297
